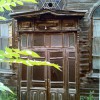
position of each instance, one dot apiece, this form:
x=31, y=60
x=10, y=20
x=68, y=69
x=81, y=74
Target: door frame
x=66, y=84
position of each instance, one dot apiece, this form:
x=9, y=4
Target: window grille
x=4, y=42
x=52, y=4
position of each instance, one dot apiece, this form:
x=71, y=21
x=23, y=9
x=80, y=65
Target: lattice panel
x=52, y=4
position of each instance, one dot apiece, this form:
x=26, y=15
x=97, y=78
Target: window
x=47, y=40
x=71, y=40
x=96, y=39
x=56, y=40
x=38, y=39
x=26, y=40
x=51, y=4
x=4, y=42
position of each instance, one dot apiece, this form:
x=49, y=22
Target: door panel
x=38, y=95
x=38, y=89
x=56, y=96
x=71, y=67
x=56, y=78
x=56, y=75
x=23, y=95
x=48, y=83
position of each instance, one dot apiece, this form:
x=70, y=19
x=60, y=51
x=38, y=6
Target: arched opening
x=96, y=39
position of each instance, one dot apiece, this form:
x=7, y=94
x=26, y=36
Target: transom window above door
x=48, y=40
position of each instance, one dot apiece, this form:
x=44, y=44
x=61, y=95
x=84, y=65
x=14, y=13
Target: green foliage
x=7, y=4
x=14, y=56
x=90, y=97
x=2, y=18
x=4, y=88
x=7, y=95
x=33, y=1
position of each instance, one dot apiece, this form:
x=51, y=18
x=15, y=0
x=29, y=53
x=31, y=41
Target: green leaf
x=29, y=52
x=1, y=52
x=2, y=18
x=15, y=55
x=2, y=2
x=1, y=55
x=13, y=4
x=35, y=55
x=33, y=1
x=5, y=88
x=27, y=62
x=8, y=55
x=7, y=7
x=14, y=0
x=9, y=1
x=33, y=63
x=19, y=2
x=44, y=63
x=26, y=52
x=16, y=50
x=1, y=9
x=12, y=55
x=8, y=50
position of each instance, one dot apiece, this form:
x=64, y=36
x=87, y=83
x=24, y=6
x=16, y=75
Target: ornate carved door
x=47, y=83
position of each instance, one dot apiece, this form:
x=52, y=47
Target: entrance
x=47, y=83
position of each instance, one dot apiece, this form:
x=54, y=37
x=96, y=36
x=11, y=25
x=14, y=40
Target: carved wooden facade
x=40, y=30
x=55, y=36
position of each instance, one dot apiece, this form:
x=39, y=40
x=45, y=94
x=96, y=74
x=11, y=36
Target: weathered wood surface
x=80, y=4
x=85, y=44
x=88, y=82
x=54, y=28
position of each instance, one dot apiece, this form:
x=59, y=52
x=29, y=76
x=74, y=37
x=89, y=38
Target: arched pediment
x=92, y=10
x=48, y=11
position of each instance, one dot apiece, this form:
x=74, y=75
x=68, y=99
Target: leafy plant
x=5, y=88
x=90, y=97
x=7, y=4
x=5, y=95
x=14, y=56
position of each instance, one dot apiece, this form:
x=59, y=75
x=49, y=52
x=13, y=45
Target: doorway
x=47, y=83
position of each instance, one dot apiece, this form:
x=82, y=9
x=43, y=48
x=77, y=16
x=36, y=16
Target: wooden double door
x=48, y=83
